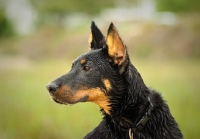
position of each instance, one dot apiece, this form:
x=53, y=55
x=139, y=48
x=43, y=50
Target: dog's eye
x=86, y=68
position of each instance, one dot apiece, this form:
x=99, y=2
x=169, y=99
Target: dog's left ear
x=96, y=39
x=115, y=47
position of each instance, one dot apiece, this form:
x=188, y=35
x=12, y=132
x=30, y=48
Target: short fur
x=106, y=77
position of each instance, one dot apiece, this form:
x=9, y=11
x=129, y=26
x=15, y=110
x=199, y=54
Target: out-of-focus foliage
x=5, y=25
x=67, y=6
x=178, y=5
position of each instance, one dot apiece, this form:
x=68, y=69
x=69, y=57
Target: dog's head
x=94, y=75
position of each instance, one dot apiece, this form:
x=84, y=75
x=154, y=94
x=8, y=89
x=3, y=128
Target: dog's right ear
x=96, y=39
x=115, y=46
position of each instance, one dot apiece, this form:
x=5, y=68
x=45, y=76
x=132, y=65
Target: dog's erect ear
x=116, y=48
x=96, y=39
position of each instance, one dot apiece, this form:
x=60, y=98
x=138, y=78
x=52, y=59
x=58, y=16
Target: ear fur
x=96, y=38
x=116, y=48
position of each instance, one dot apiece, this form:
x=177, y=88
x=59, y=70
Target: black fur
x=127, y=96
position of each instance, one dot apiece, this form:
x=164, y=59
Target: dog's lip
x=60, y=101
x=83, y=99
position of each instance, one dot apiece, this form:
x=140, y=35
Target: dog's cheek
x=99, y=97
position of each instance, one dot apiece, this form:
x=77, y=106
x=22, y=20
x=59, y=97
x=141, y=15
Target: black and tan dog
x=106, y=77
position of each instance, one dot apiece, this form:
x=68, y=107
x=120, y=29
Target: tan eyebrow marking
x=83, y=61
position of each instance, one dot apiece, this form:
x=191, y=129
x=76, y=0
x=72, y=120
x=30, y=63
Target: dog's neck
x=131, y=94
x=132, y=105
x=125, y=124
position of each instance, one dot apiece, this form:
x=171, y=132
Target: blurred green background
x=40, y=38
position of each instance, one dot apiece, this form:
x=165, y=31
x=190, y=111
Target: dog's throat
x=125, y=124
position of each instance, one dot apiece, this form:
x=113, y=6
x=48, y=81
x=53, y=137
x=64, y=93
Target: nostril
x=52, y=88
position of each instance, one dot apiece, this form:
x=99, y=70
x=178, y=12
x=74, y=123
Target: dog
x=106, y=76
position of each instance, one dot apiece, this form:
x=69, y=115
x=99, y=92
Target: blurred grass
x=28, y=112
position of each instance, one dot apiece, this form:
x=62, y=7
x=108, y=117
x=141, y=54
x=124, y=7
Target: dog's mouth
x=69, y=102
x=59, y=101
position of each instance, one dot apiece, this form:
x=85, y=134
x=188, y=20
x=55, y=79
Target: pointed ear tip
x=112, y=25
x=111, y=28
x=92, y=23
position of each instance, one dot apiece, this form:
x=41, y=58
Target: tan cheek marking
x=61, y=90
x=78, y=95
x=96, y=96
x=66, y=93
x=107, y=84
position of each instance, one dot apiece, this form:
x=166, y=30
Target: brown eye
x=86, y=68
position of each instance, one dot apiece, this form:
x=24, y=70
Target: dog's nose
x=52, y=88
